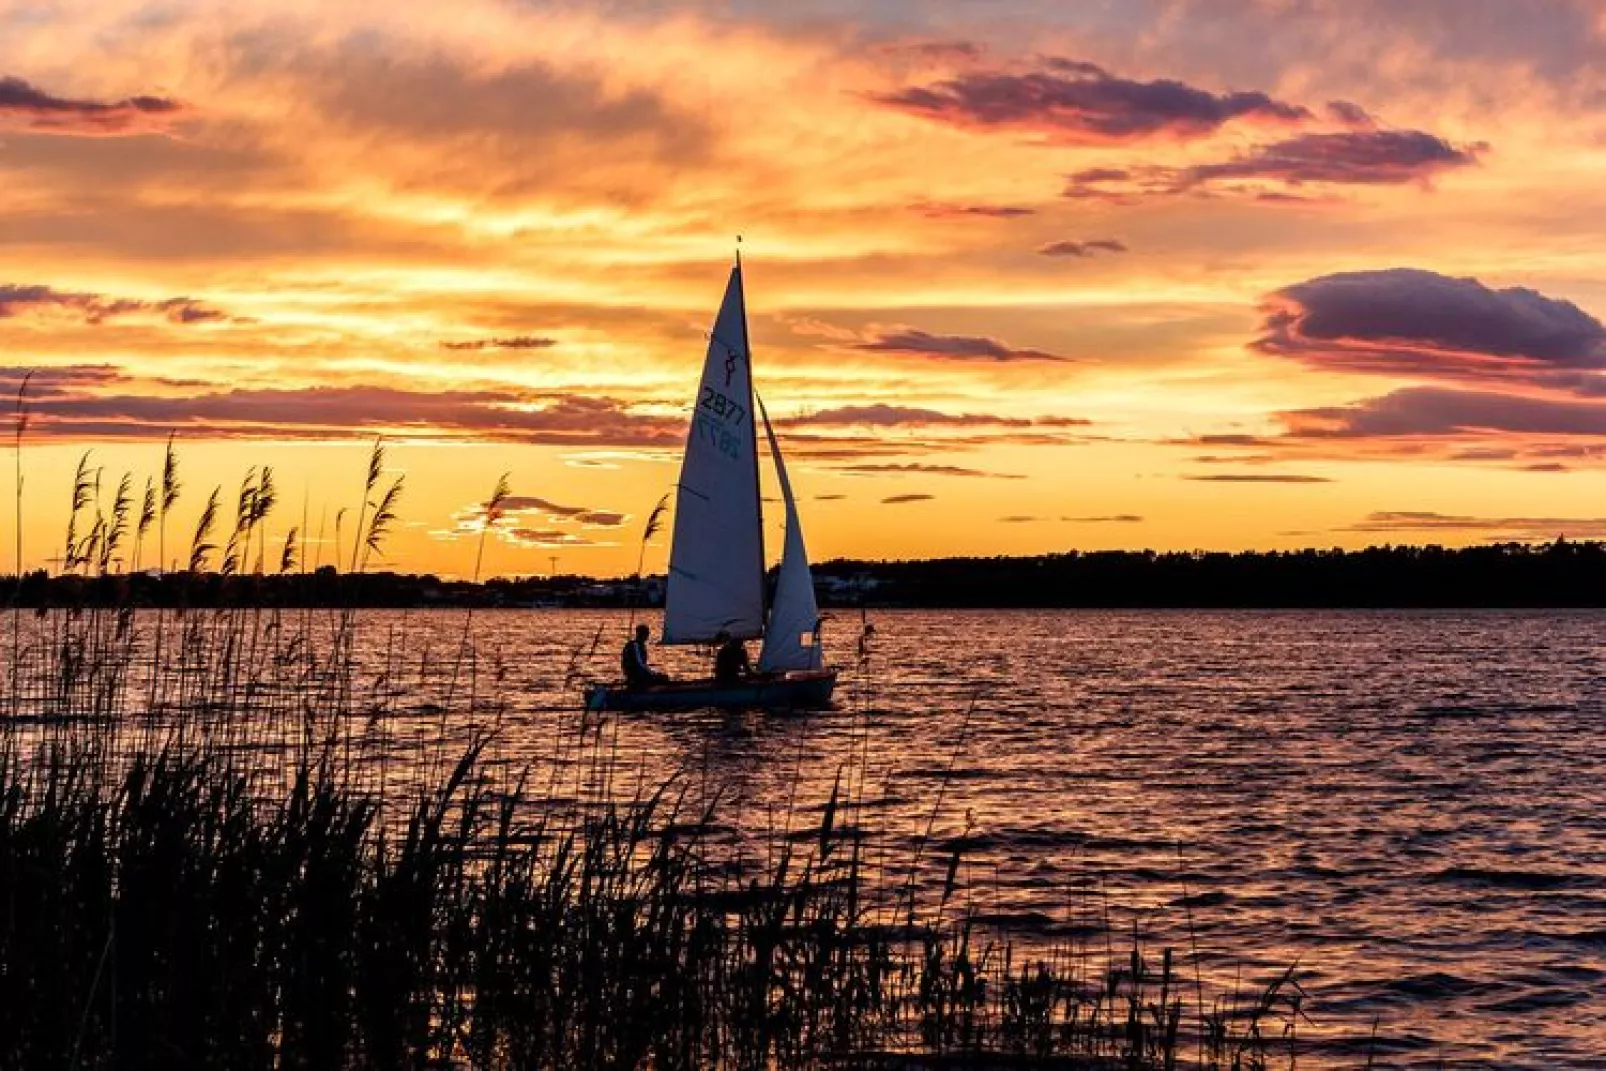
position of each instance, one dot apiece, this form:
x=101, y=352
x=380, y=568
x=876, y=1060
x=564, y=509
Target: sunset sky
x=1021, y=277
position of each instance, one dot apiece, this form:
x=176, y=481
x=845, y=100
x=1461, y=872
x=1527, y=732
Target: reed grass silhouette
x=260, y=837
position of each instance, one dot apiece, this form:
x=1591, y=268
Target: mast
x=752, y=425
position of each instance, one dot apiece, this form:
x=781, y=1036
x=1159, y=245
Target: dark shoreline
x=1558, y=575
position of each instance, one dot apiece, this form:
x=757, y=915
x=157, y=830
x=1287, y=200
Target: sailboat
x=718, y=586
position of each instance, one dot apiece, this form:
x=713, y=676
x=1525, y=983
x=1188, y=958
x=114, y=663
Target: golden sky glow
x=1021, y=277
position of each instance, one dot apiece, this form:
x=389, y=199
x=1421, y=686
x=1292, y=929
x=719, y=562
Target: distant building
x=850, y=590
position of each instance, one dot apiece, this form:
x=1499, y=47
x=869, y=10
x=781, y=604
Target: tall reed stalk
x=21, y=429
x=655, y=519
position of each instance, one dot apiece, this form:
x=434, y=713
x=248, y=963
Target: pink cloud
x=1071, y=102
x=24, y=104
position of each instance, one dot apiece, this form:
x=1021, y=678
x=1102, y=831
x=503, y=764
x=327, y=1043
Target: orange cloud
x=1065, y=248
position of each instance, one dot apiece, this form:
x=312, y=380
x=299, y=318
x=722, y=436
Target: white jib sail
x=792, y=640
x=716, y=556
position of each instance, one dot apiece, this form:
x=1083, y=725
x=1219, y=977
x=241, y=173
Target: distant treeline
x=323, y=587
x=1557, y=574
x=1560, y=574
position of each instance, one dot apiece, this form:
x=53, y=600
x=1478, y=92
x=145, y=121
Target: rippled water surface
x=1410, y=805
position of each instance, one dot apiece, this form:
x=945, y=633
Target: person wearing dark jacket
x=731, y=663
x=633, y=662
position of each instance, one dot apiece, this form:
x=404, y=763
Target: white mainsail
x=716, y=556
x=792, y=640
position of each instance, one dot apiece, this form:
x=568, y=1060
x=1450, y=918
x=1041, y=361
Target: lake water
x=1410, y=805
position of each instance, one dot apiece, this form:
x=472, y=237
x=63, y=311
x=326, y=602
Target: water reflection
x=1408, y=804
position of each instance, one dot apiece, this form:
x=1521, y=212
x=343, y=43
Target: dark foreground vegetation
x=251, y=837
x=168, y=916
x=221, y=845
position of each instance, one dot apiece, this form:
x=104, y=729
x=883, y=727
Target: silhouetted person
x=731, y=663
x=633, y=661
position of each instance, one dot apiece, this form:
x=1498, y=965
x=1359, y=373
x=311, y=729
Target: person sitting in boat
x=731, y=663
x=633, y=661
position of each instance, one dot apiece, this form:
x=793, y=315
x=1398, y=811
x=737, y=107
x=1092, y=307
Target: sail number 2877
x=724, y=439
x=722, y=406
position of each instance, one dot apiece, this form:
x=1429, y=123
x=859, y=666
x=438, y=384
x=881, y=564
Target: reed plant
x=266, y=837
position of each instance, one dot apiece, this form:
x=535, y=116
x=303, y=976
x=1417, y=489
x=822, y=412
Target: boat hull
x=809, y=690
